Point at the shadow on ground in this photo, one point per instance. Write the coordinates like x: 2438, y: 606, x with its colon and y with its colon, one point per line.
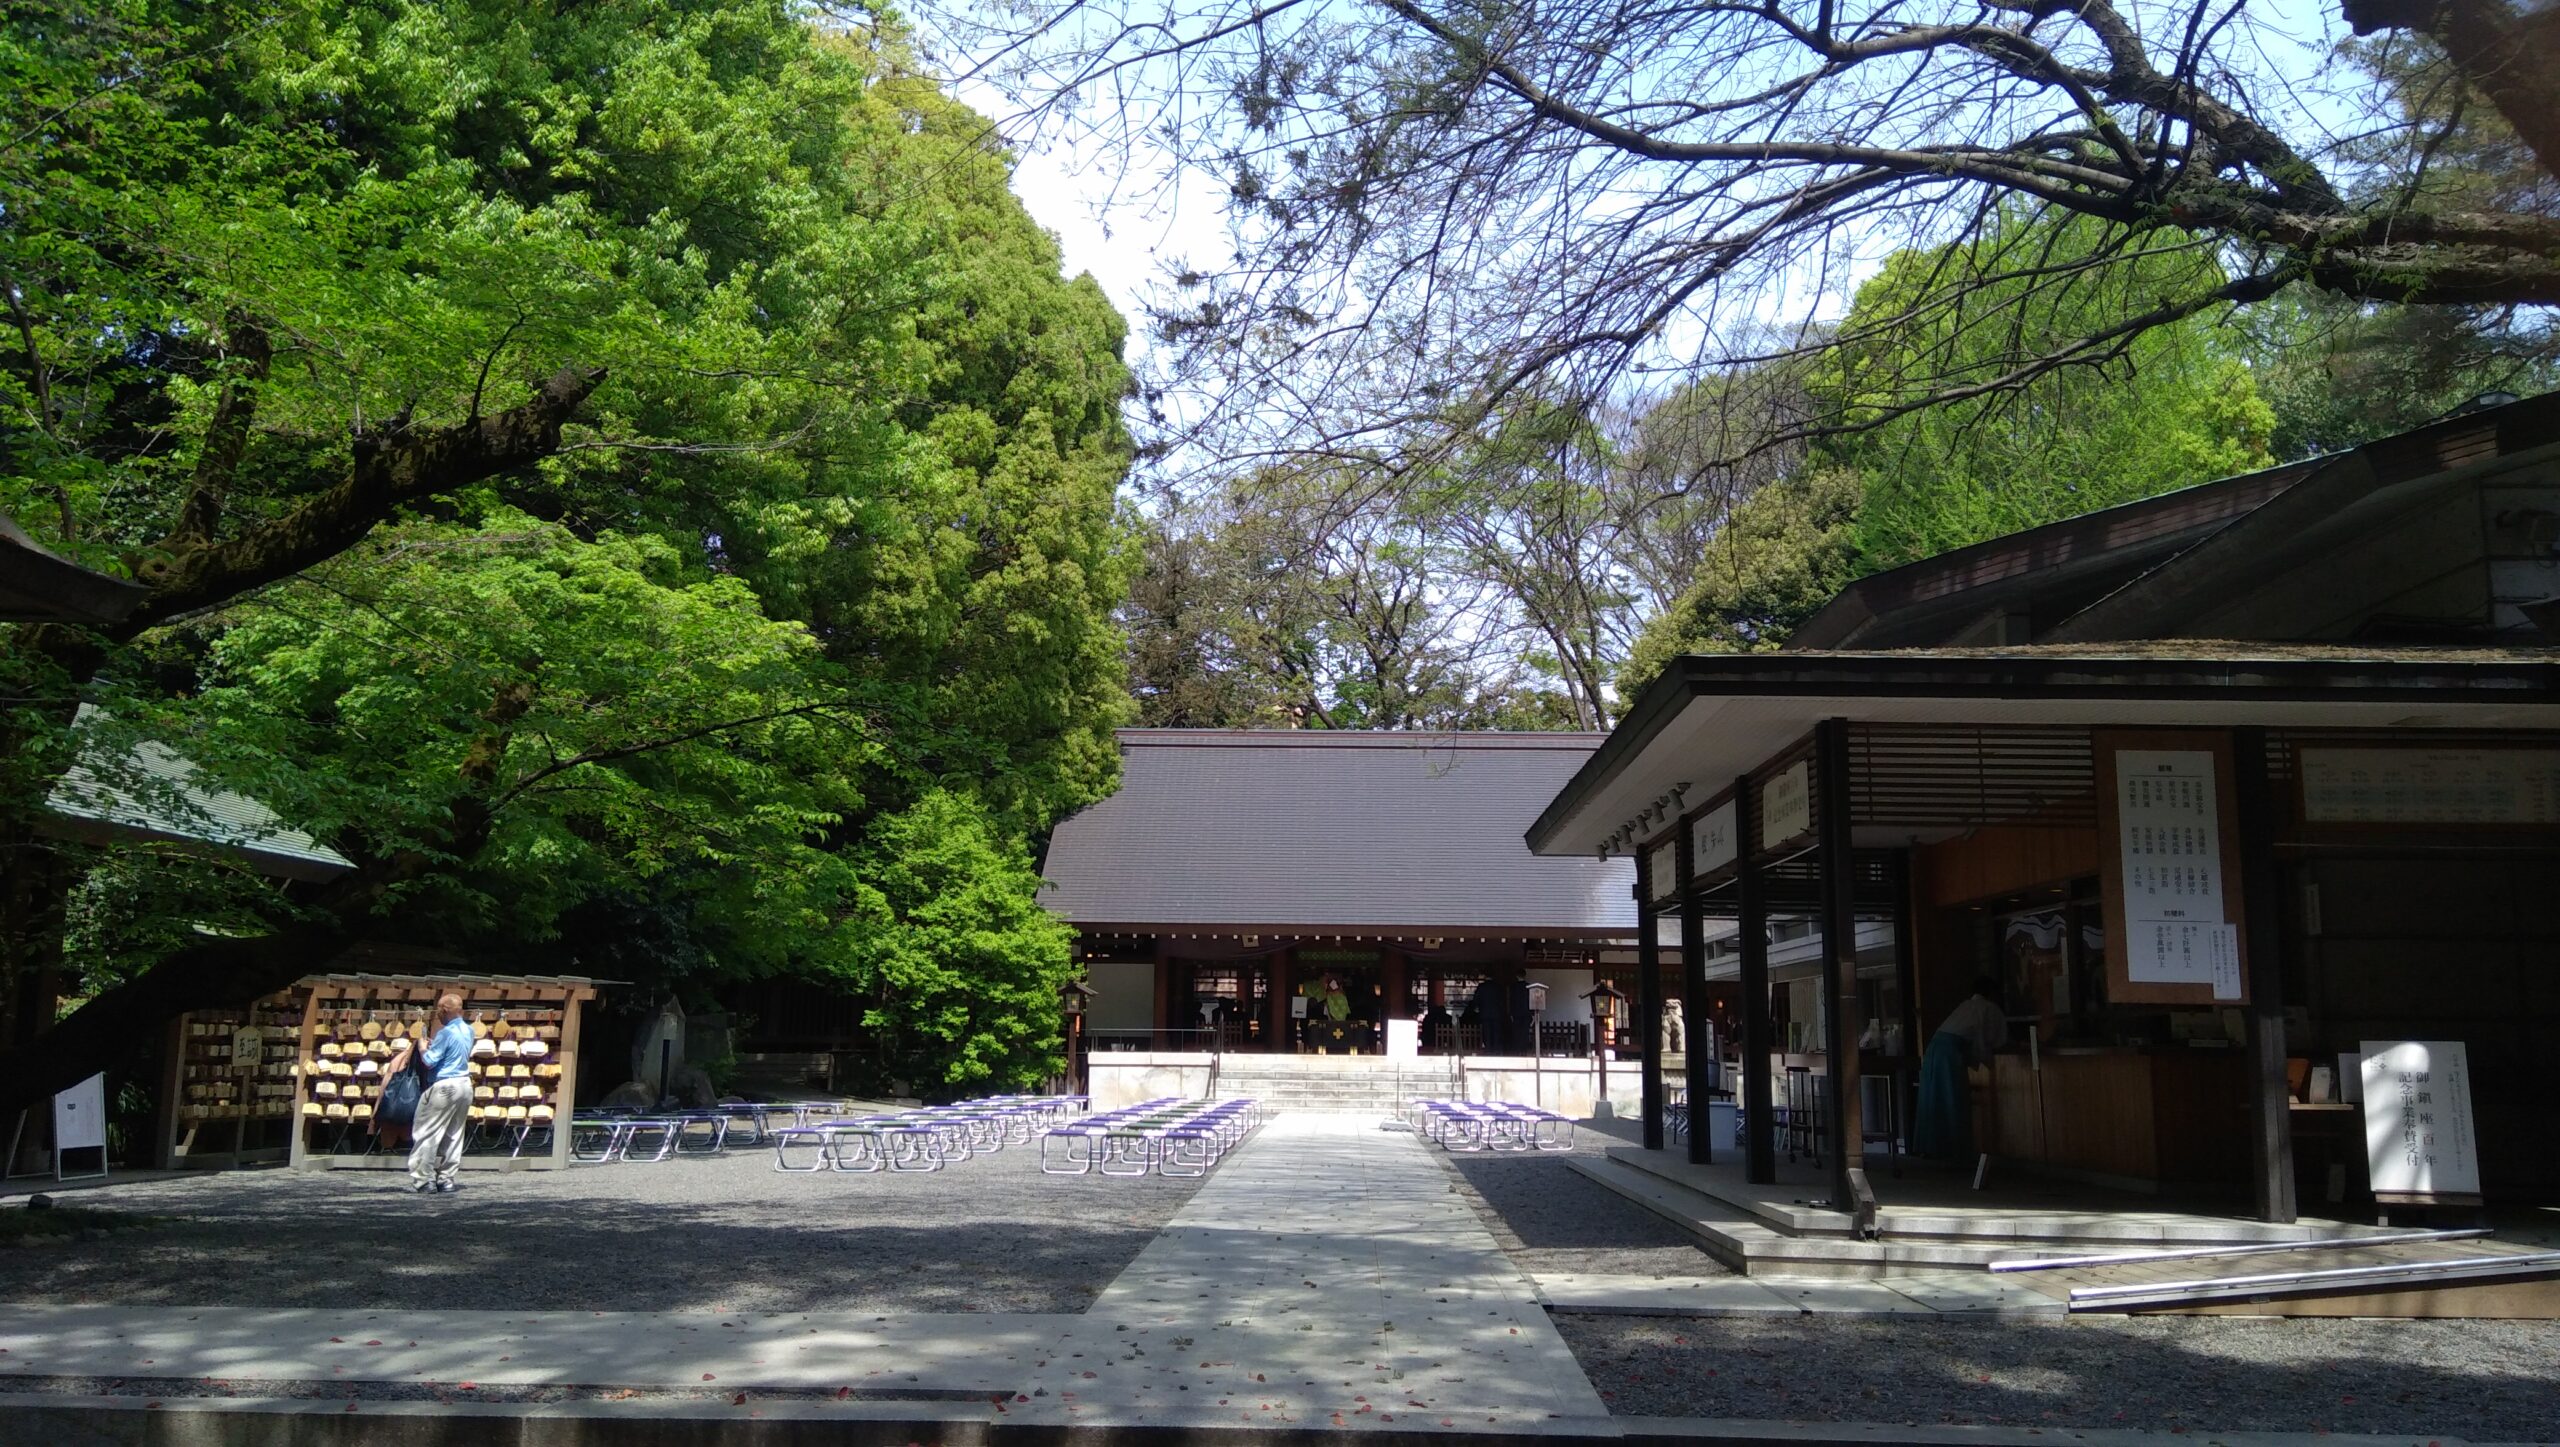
x: 724, y: 1234
x: 2480, y: 1380
x: 1550, y: 1218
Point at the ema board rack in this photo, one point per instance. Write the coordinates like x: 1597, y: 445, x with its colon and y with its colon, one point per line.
x: 230, y: 1085
x: 524, y: 1062
x: 514, y: 1078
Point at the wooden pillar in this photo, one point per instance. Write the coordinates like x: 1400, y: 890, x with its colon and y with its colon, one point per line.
x: 307, y: 1045
x: 1392, y: 984
x: 564, y: 1104
x: 1648, y: 1004
x: 1164, y: 1002
x: 1839, y: 920
x: 1276, y: 1033
x: 1693, y: 998
x: 1906, y: 974
x: 1759, y: 1127
x: 2261, y: 895
x: 169, y: 1131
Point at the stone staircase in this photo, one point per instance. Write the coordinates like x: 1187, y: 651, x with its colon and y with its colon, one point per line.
x: 1363, y: 1083
x: 1789, y: 1231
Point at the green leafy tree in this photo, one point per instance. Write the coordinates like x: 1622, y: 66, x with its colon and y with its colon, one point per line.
x: 2171, y: 406
x: 1318, y: 598
x: 555, y: 718
x: 2337, y: 376
x: 1532, y: 513
x: 960, y: 964
x: 701, y: 279
x: 1782, y: 553
x: 2340, y: 373
x: 493, y: 726
x: 1182, y: 616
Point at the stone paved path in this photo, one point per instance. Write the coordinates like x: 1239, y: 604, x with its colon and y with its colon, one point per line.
x: 954, y: 1355
x: 1327, y: 1275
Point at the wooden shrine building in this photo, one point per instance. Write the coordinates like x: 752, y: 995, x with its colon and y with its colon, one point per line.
x: 1236, y: 872
x: 2221, y: 788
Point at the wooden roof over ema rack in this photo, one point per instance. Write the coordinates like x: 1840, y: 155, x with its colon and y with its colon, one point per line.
x: 474, y: 986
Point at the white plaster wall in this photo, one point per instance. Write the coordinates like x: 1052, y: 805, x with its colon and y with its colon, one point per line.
x: 1567, y: 1087
x: 1118, y: 1078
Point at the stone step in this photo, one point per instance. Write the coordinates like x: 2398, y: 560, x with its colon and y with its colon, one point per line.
x: 1327, y: 1102
x: 1332, y: 1071
x: 1304, y: 1097
x: 1754, y: 1248
x: 1321, y: 1065
x: 1382, y: 1102
x: 1300, y: 1082
x: 2064, y: 1230
x: 1265, y: 1092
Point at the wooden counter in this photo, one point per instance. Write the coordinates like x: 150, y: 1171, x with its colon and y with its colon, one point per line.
x: 2134, y: 1114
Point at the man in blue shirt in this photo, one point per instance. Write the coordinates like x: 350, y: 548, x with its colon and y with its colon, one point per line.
x: 444, y: 1111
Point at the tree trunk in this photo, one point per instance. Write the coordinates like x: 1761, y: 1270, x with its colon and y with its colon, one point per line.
x: 34, y: 892
x: 108, y: 1030
x: 2511, y: 57
x: 50, y: 667
x: 37, y: 873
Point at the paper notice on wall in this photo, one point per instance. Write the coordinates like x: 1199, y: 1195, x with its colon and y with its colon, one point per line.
x: 2417, y: 1118
x: 2175, y: 952
x: 2169, y: 839
x: 2225, y: 945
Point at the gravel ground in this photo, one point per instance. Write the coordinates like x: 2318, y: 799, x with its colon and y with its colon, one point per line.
x: 2486, y: 1381
x: 723, y: 1233
x: 250, y: 1388
x: 1549, y: 1218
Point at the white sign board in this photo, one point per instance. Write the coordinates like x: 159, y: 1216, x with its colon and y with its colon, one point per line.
x: 1786, y: 805
x: 1662, y: 871
x: 248, y: 1048
x: 80, y: 1116
x: 2418, y: 1136
x: 2431, y: 786
x: 1712, y: 844
x: 2169, y: 842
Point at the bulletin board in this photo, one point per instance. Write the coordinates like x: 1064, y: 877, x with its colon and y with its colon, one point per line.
x: 2169, y: 863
